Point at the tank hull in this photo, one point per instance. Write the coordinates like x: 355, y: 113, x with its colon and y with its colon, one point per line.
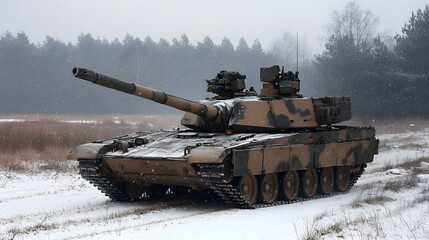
x: 203, y: 161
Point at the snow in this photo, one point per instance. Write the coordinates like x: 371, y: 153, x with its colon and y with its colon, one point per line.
x: 396, y: 171
x: 46, y: 204
x: 81, y: 121
x: 11, y: 120
x: 8, y: 120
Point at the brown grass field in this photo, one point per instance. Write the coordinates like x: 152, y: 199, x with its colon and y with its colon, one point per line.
x: 52, y: 137
x: 40, y: 137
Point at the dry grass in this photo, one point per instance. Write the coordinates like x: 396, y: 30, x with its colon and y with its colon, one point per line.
x: 396, y: 185
x: 31, y: 154
x: 410, y: 180
x: 53, y: 137
x: 373, y: 196
x: 415, y: 146
x: 425, y: 190
x: 377, y: 198
x: 422, y: 199
x: 314, y: 233
x: 413, y: 164
x: 34, y: 229
x: 407, y: 165
x: 388, y: 165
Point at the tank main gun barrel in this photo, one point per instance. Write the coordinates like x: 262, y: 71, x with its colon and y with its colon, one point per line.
x: 207, y: 112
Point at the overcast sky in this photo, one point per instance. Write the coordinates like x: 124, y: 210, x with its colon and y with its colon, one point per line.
x: 264, y: 20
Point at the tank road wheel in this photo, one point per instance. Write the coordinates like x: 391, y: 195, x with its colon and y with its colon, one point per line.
x: 326, y: 180
x: 309, y: 183
x: 290, y: 185
x: 133, y: 191
x: 342, y: 178
x: 269, y: 188
x: 248, y: 187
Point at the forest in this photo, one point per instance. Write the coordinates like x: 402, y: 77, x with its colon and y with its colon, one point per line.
x: 384, y: 79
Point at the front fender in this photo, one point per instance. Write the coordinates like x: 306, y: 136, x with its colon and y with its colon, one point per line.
x: 89, y: 151
x: 206, y: 154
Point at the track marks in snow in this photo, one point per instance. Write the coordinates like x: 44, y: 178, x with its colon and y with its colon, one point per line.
x: 66, y: 206
x: 137, y: 222
x: 107, y: 220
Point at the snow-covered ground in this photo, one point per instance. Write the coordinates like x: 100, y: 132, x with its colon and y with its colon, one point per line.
x: 390, y: 201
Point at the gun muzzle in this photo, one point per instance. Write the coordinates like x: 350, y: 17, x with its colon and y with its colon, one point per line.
x: 103, y: 80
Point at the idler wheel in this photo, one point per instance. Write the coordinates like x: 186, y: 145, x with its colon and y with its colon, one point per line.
x: 309, y: 183
x: 269, y: 188
x: 290, y: 185
x: 326, y: 180
x: 248, y: 187
x: 342, y: 178
x: 133, y: 191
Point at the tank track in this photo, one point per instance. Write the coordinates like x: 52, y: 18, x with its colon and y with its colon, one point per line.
x: 89, y: 169
x: 213, y: 177
x: 211, y: 174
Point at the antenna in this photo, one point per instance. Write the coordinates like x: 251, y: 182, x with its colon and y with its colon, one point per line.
x: 297, y: 53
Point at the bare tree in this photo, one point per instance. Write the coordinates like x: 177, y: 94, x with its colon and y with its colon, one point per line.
x: 285, y: 48
x: 354, y: 22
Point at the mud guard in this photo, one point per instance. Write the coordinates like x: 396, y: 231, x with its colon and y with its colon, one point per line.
x: 207, y: 155
x: 89, y: 151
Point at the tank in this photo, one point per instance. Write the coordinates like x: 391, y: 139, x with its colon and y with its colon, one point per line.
x: 251, y: 150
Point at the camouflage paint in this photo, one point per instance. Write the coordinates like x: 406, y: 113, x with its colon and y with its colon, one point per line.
x: 247, y: 162
x: 276, y: 159
x: 326, y: 155
x: 301, y: 157
x: 207, y: 112
x: 247, y: 115
x: 347, y: 153
x: 299, y: 112
x: 275, y: 114
x: 305, y: 150
x: 290, y: 105
x: 366, y: 151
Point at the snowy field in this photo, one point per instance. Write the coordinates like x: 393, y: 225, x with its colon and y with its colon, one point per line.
x: 390, y: 201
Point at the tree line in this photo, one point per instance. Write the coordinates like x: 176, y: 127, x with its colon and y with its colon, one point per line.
x: 384, y: 80
x: 37, y: 78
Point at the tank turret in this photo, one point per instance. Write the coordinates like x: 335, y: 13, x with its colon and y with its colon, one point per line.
x: 279, y: 107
